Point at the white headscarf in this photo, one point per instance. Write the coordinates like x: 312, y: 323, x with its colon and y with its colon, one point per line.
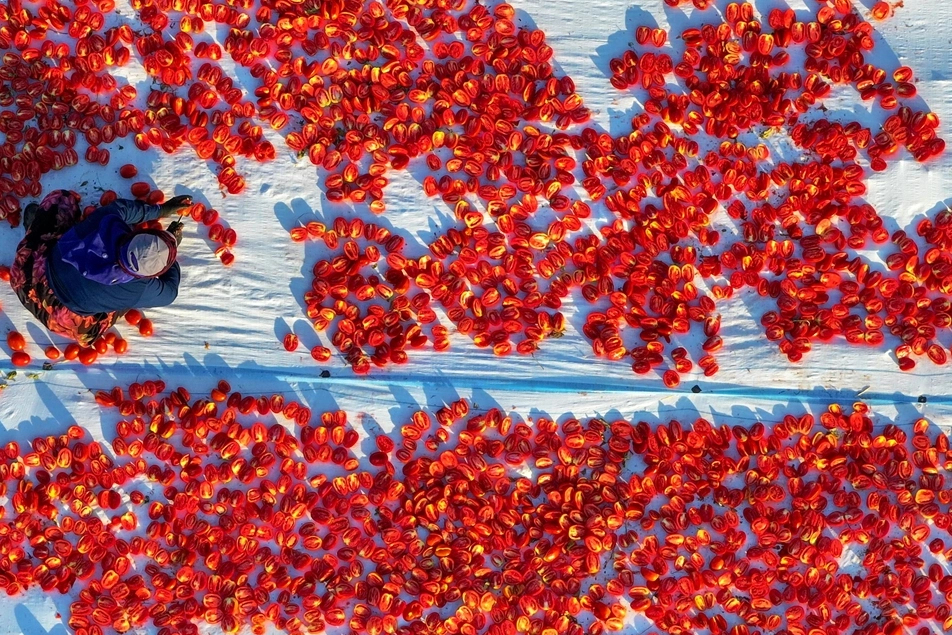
x: 147, y: 255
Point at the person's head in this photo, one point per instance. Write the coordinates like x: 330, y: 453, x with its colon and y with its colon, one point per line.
x: 148, y: 253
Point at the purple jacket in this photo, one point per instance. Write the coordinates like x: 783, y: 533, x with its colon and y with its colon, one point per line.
x: 83, y: 268
x: 94, y: 249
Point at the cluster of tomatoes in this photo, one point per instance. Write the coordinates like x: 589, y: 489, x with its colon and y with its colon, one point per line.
x: 478, y: 111
x: 362, y: 294
x: 111, y: 340
x: 801, y: 227
x: 213, y: 511
x: 502, y: 133
x: 55, y: 93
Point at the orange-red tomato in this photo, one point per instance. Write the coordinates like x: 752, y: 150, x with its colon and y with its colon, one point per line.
x: 290, y: 342
x: 16, y: 341
x: 72, y: 351
x: 88, y: 356
x: 19, y: 358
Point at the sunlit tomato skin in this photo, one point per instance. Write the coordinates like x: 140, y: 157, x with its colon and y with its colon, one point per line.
x: 290, y: 342
x: 16, y: 341
x: 20, y: 359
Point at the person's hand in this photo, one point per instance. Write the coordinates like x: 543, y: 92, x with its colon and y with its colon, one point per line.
x: 176, y: 230
x: 175, y: 206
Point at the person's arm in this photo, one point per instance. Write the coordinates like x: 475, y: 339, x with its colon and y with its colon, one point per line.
x: 134, y: 212
x: 131, y: 211
x: 161, y: 291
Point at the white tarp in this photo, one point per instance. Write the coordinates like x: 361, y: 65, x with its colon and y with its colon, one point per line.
x: 228, y: 322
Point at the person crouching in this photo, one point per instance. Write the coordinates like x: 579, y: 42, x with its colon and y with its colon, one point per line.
x: 77, y: 276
